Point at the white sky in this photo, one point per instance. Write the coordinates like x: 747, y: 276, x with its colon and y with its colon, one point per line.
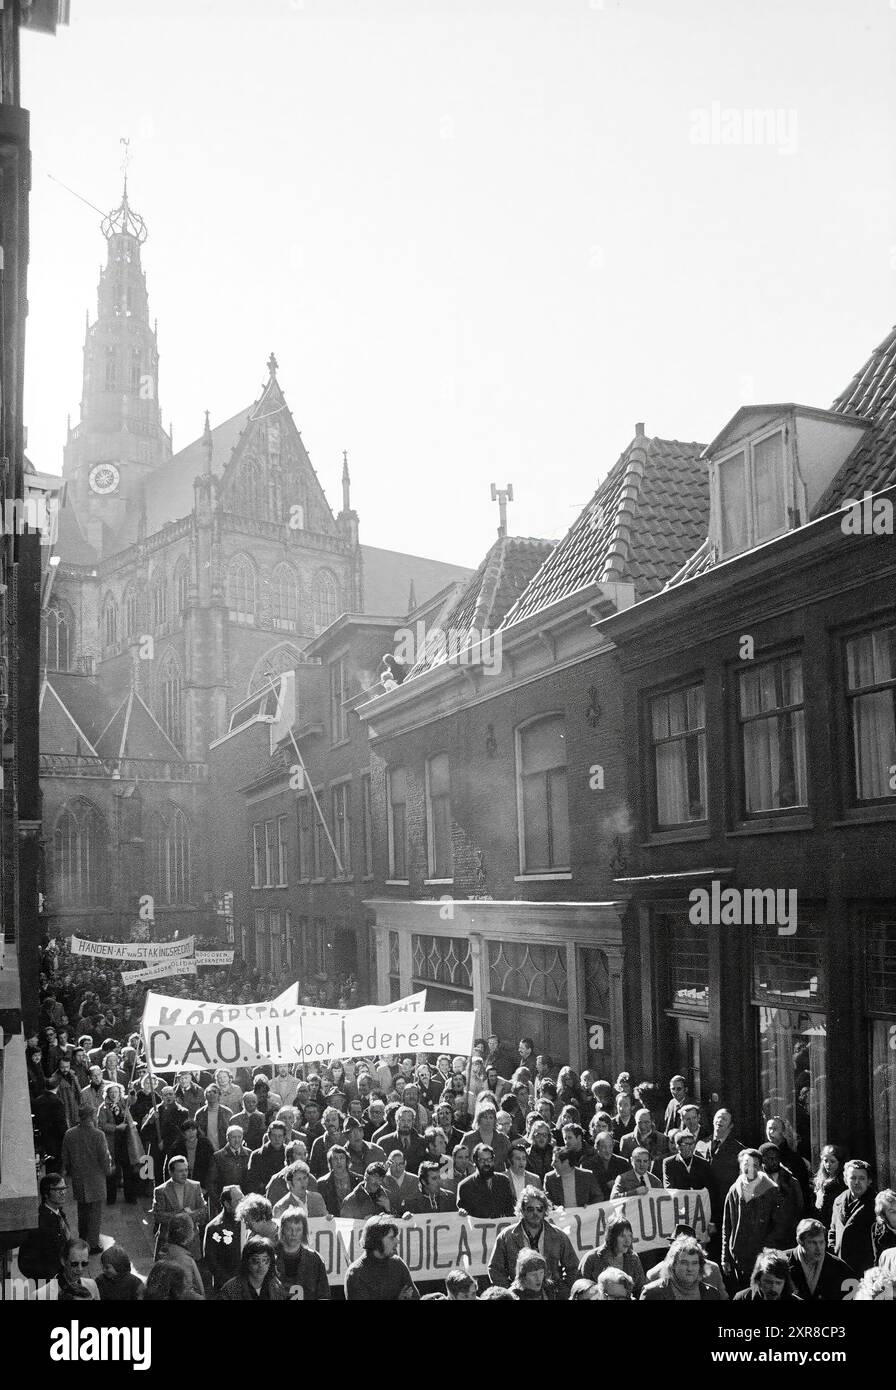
x: 477, y: 233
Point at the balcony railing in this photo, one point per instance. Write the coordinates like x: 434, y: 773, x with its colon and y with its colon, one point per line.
x: 129, y: 769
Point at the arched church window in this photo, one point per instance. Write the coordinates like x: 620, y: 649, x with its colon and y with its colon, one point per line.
x: 58, y: 641
x: 251, y: 488
x: 286, y: 657
x: 171, y: 698
x: 133, y: 611
x: 110, y: 622
x: 284, y: 597
x: 170, y: 839
x: 159, y: 600
x: 241, y: 590
x: 80, y: 856
x: 326, y: 599
x: 181, y: 582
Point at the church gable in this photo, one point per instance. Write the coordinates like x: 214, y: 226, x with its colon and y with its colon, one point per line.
x: 269, y: 476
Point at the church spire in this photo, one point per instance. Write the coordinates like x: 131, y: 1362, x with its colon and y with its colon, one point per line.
x: 346, y: 483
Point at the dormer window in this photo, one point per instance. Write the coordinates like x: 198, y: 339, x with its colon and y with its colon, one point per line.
x: 752, y: 508
x: 769, y: 468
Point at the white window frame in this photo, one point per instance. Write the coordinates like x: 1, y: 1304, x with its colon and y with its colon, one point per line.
x: 746, y: 446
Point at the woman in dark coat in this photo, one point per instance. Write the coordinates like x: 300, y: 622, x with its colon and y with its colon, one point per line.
x: 828, y: 1183
x: 112, y: 1119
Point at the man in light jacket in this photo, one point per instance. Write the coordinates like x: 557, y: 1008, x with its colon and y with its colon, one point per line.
x: 534, y: 1231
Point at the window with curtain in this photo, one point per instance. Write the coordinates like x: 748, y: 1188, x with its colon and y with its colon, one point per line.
x: 773, y: 738
x: 678, y: 733
x: 80, y: 857
x: 871, y: 694
x: 398, y: 847
x: 440, y: 851
x: 342, y: 824
x: 241, y: 590
x: 543, y: 803
x: 284, y: 597
x: 751, y: 494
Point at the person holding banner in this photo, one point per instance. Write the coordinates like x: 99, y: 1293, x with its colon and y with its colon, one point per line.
x: 379, y: 1275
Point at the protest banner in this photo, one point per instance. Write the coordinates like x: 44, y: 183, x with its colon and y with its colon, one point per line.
x: 182, y: 1034
x: 133, y: 950
x: 430, y: 1245
x: 214, y: 957
x: 155, y: 972
x: 412, y: 1003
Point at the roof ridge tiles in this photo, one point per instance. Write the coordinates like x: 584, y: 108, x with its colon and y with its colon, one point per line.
x: 619, y: 546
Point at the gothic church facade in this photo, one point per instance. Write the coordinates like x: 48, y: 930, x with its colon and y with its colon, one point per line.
x: 184, y: 582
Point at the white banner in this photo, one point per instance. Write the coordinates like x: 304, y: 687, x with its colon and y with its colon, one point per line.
x: 155, y: 972
x: 214, y: 957
x: 412, y: 1003
x: 133, y: 950
x: 178, y: 1035
x: 431, y: 1245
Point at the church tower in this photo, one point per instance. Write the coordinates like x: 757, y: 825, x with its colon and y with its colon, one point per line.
x: 119, y: 439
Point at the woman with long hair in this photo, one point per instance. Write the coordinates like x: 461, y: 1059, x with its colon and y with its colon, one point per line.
x: 616, y: 1251
x: 828, y: 1182
x: 257, y: 1281
x: 112, y: 1119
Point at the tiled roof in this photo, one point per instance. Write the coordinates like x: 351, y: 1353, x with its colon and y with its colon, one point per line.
x: 496, y: 586
x: 871, y: 393
x: 644, y: 522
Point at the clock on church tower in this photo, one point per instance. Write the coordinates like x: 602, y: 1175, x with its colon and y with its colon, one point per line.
x: 103, y: 478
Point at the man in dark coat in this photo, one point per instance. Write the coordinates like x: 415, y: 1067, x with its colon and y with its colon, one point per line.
x: 720, y: 1152
x: 487, y: 1193
x: 69, y: 1090
x: 221, y: 1242
x: 41, y: 1252
x: 432, y: 1196
x: 49, y: 1115
x: 569, y: 1186
x: 685, y: 1170
x: 605, y: 1165
x: 230, y: 1167
x: 268, y: 1158
x: 853, y: 1218
x: 251, y: 1121
x: 406, y: 1138
x: 85, y: 1155
x: 818, y: 1276
x: 161, y: 1138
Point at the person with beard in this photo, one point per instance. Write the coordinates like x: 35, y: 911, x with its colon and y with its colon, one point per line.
x: 770, y: 1281
x: 541, y: 1149
x: 791, y: 1209
x: 487, y: 1193
x: 533, y: 1231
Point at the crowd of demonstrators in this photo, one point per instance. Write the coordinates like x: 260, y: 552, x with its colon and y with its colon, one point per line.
x: 236, y: 1162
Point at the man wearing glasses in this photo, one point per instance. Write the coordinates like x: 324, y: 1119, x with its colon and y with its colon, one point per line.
x: 534, y: 1232
x: 41, y: 1252
x: 71, y: 1284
